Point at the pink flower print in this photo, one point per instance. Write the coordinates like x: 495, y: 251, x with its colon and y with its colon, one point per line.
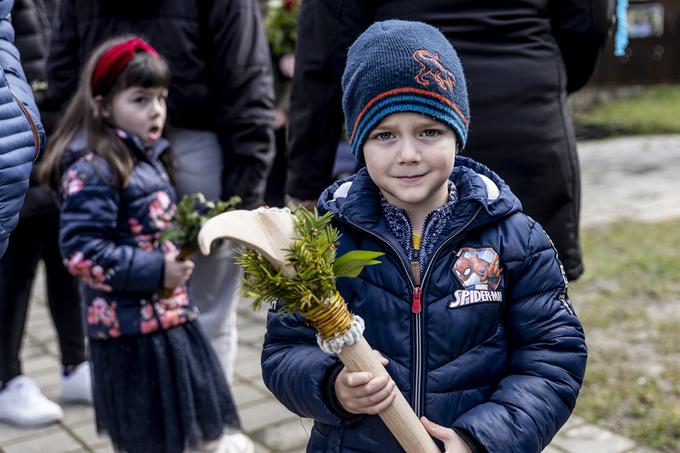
x: 78, y: 265
x: 173, y: 310
x: 161, y: 211
x: 72, y: 183
x: 145, y: 241
x: 148, y: 322
x: 94, y: 276
x: 101, y: 312
x: 135, y: 226
x: 96, y: 311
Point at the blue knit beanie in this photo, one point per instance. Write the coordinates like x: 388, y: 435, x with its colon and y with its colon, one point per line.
x: 400, y: 66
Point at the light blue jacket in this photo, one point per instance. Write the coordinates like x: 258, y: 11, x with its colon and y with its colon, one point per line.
x: 21, y: 133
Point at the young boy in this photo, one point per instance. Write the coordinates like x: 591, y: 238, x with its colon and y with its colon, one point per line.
x: 469, y: 306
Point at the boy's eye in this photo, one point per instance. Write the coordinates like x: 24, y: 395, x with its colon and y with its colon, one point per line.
x: 139, y: 100
x: 383, y: 136
x: 431, y: 133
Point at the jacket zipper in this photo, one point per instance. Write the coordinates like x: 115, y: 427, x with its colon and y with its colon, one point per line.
x: 418, y: 387
x: 416, y: 307
x: 34, y: 129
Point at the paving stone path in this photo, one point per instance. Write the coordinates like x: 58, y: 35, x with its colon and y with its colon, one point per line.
x: 622, y: 178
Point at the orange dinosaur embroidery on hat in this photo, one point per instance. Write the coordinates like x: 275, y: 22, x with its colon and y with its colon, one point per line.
x: 432, y: 68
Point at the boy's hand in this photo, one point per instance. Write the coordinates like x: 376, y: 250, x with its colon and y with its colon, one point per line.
x: 176, y: 272
x: 361, y: 393
x: 451, y: 439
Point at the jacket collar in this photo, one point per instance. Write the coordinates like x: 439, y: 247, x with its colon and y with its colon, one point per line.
x: 134, y: 143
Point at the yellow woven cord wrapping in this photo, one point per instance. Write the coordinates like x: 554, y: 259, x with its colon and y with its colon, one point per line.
x: 330, y: 319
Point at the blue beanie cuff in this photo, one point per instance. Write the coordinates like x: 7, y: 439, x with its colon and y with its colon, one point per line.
x: 413, y: 100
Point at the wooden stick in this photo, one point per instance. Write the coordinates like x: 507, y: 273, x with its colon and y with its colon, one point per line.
x: 399, y: 417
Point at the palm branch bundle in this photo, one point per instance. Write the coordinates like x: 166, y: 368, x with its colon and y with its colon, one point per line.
x: 290, y: 260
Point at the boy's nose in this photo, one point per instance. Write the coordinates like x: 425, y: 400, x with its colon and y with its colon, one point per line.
x: 408, y: 152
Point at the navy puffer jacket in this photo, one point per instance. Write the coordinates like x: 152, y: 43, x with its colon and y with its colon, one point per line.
x: 20, y: 129
x: 111, y: 240
x: 495, y: 349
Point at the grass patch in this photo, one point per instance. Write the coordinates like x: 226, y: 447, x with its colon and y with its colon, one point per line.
x: 655, y: 111
x: 629, y: 303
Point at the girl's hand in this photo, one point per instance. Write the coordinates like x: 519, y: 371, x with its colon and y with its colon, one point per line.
x: 176, y: 272
x: 361, y: 393
x: 451, y: 439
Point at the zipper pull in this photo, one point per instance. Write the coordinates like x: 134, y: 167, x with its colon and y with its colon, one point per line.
x: 416, y: 305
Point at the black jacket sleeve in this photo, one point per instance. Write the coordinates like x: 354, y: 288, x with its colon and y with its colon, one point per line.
x: 326, y: 29
x: 63, y: 60
x: 242, y: 83
x: 580, y: 27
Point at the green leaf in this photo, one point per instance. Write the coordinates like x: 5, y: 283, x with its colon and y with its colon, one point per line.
x: 352, y: 263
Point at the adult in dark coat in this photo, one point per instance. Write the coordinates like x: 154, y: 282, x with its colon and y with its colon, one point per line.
x: 221, y: 72
x: 521, y: 58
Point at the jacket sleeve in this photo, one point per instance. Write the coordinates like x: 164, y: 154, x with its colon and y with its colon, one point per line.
x: 21, y: 133
x: 295, y: 369
x: 546, y: 361
x: 89, y: 219
x: 242, y: 82
x: 580, y: 27
x: 326, y: 30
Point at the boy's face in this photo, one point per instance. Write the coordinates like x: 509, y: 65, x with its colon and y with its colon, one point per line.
x: 410, y: 157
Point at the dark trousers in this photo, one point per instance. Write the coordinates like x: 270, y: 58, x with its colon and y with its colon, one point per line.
x: 36, y: 238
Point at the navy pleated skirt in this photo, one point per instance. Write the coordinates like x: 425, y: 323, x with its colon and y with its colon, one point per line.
x: 161, y: 392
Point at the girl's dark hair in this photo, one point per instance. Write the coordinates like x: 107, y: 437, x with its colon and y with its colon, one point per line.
x: 85, y: 113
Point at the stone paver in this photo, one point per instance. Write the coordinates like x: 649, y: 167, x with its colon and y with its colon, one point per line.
x: 632, y: 177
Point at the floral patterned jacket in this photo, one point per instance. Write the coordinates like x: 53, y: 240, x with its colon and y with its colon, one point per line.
x: 110, y: 239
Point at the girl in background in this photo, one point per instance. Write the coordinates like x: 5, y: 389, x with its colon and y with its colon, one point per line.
x: 158, y: 386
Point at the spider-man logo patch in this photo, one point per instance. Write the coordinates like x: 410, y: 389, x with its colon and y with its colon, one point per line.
x: 479, y: 271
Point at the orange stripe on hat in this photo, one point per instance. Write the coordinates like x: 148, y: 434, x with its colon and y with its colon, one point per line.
x: 404, y: 90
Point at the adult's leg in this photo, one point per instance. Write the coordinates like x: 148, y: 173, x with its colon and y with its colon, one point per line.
x: 63, y: 296
x: 17, y: 270
x: 197, y: 156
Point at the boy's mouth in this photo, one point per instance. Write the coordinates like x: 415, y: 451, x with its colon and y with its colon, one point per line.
x: 410, y: 177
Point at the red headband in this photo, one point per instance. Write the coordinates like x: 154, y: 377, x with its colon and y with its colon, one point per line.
x: 114, y: 61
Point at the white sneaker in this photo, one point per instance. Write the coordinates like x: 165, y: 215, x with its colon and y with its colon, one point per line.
x: 236, y: 443
x: 23, y: 404
x: 228, y: 443
x: 76, y: 387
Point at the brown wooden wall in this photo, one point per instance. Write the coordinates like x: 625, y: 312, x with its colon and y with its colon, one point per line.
x: 648, y: 60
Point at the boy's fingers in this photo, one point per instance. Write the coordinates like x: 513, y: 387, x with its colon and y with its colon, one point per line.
x: 435, y: 430
x: 383, y: 360
x: 356, y: 379
x: 382, y: 405
x: 375, y: 397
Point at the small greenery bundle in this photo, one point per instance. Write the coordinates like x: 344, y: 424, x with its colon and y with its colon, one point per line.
x: 281, y: 25
x: 312, y: 256
x: 192, y: 212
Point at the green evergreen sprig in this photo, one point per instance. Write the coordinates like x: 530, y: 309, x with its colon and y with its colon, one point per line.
x: 192, y: 212
x: 312, y: 255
